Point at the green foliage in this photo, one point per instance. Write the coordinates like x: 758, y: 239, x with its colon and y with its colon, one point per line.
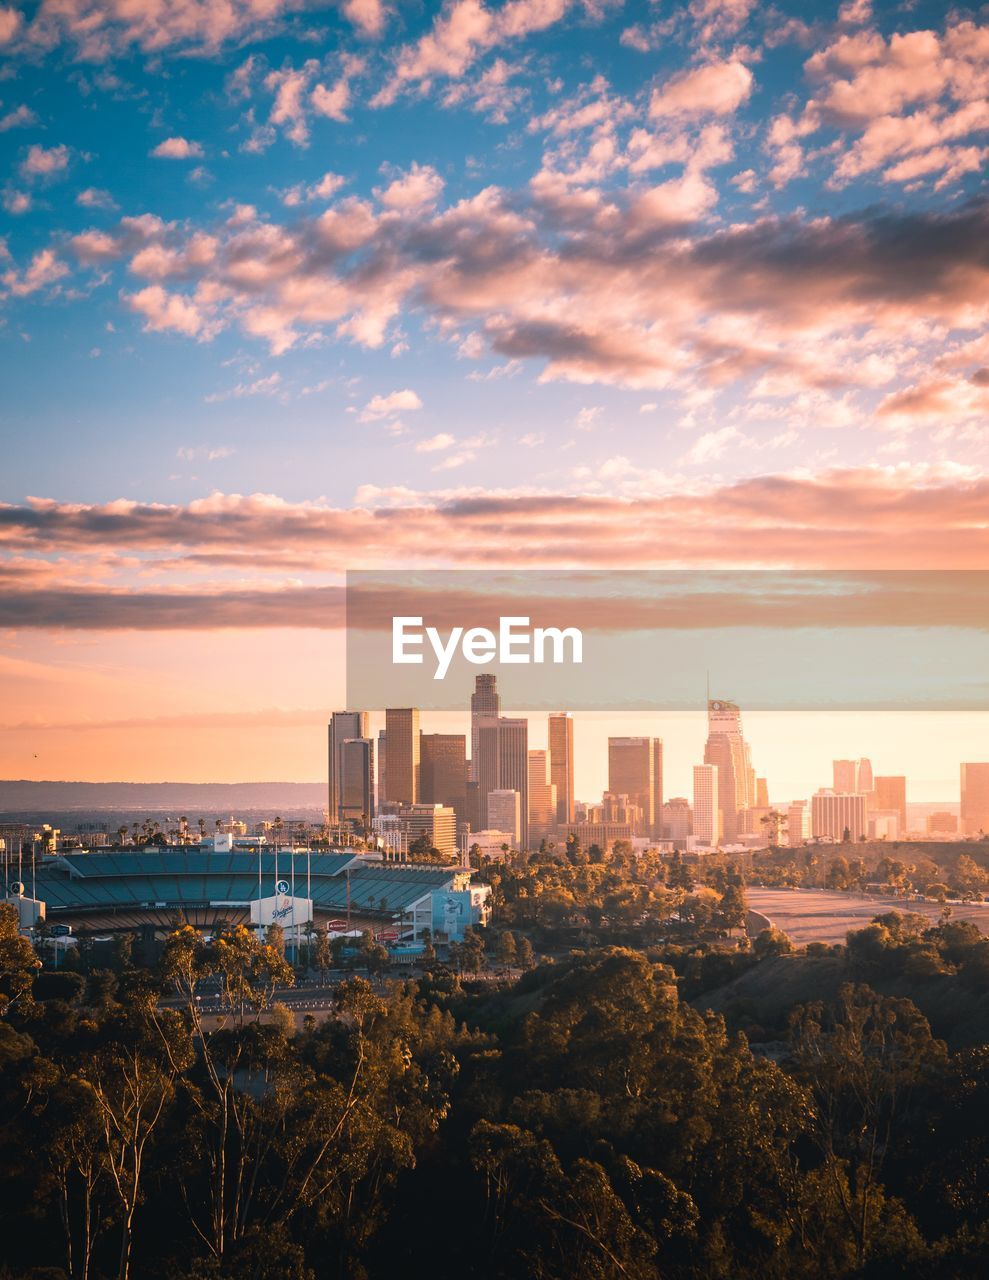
x: 594, y: 1119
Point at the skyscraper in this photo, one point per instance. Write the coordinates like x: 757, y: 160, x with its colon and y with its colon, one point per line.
x: 343, y: 725
x: 513, y: 767
x: 486, y: 763
x: 657, y: 788
x: 707, y: 810
x: 357, y: 781
x: 542, y: 797
x: 402, y: 747
x: 975, y: 799
x: 443, y: 771
x: 891, y: 793
x: 729, y: 752
x: 561, y: 763
x: 382, y: 793
x: 631, y: 765
x: 485, y: 704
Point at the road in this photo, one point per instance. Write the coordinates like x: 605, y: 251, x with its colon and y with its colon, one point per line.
x: 820, y: 915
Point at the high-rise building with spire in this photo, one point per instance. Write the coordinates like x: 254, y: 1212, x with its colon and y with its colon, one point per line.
x: 727, y: 749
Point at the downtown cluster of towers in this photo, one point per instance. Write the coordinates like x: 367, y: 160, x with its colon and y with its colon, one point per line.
x: 488, y: 788
x: 491, y: 789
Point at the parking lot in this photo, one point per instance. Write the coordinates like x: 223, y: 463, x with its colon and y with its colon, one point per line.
x: 821, y: 915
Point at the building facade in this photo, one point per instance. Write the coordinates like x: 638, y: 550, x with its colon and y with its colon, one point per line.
x: 631, y: 773
x: 542, y: 798
x: 833, y: 814
x: 707, y: 808
x: 343, y: 727
x: 402, y: 747
x: 561, y: 763
x: 975, y: 799
x: 505, y: 813
x: 727, y: 750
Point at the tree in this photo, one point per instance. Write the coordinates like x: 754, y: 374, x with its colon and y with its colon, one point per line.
x: 838, y: 874
x: 771, y: 942
x: 678, y: 875
x: 70, y: 1146
x: 132, y: 1083
x: 472, y: 951
x: 968, y: 878
x: 774, y: 823
x: 506, y: 950
x: 861, y: 1056
x: 373, y: 955
x: 733, y: 908
x: 323, y: 955
x: 283, y: 1019
x: 18, y: 963
x: 526, y: 955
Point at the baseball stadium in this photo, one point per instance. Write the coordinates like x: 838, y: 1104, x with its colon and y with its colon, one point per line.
x: 108, y: 892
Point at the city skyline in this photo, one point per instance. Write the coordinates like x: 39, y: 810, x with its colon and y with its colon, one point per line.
x: 506, y: 784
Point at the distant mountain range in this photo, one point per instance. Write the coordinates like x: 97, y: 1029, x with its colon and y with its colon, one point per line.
x: 176, y: 797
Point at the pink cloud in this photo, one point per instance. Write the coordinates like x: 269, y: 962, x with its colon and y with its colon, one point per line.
x: 177, y: 149
x: 17, y: 118
x: 629, y: 290
x: 418, y: 189
x: 717, y: 88
x: 100, y: 29
x: 395, y: 402
x: 45, y: 162
x: 10, y: 24
x: 368, y: 16
x: 43, y: 270
x: 894, y: 517
x: 463, y: 32
x: 906, y: 102
x: 164, y: 311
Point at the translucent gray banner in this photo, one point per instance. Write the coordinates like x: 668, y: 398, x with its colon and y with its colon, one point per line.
x: 657, y: 640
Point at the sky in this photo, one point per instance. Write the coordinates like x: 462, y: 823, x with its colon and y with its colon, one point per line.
x: 290, y: 288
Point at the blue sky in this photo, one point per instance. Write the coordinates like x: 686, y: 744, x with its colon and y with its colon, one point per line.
x: 103, y: 404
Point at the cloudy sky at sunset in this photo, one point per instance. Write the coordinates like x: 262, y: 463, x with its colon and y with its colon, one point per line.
x: 290, y: 288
